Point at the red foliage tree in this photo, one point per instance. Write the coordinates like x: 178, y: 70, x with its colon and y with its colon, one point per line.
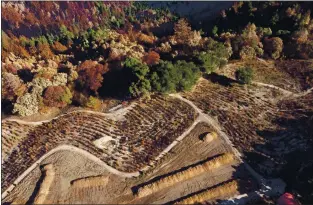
x: 151, y: 58
x: 90, y: 74
x: 56, y: 96
x: 31, y: 19
x: 12, y: 16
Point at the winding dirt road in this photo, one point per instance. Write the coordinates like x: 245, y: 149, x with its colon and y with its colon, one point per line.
x: 117, y: 115
x: 268, y: 187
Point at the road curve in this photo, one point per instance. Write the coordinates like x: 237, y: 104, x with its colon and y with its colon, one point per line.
x: 87, y: 154
x: 73, y: 149
x: 202, y: 117
x: 113, y: 115
x: 285, y: 92
x: 211, y: 121
x: 270, y: 187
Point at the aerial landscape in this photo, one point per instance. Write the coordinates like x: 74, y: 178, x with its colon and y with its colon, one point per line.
x: 145, y: 102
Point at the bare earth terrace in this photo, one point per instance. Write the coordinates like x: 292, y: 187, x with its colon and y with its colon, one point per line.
x: 127, y: 145
x: 257, y: 119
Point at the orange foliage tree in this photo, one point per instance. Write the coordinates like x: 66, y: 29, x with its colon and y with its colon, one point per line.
x: 45, y: 51
x: 31, y: 19
x: 90, y: 74
x: 12, y: 16
x: 59, y: 47
x: 151, y: 58
x: 182, y: 31
x: 20, y: 51
x: 13, y: 45
x: 143, y: 38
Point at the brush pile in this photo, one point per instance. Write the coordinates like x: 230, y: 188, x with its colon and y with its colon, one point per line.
x: 185, y: 175
x: 211, y: 194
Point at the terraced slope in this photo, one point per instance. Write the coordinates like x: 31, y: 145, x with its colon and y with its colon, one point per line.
x: 127, y: 145
x: 12, y: 134
x: 239, y: 111
x: 292, y: 75
x: 260, y: 121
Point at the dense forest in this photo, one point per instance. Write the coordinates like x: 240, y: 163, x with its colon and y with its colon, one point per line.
x: 59, y: 53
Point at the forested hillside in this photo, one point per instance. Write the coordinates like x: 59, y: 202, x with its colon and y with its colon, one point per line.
x: 62, y: 53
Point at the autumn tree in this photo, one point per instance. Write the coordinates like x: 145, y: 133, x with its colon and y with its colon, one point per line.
x: 143, y: 38
x: 20, y: 51
x: 305, y: 20
x: 10, y: 68
x: 57, y: 96
x: 45, y: 51
x: 13, y: 45
x: 90, y: 74
x: 59, y: 47
x: 184, y: 35
x: 182, y: 31
x: 12, y: 16
x: 300, y: 36
x: 250, y: 36
x: 31, y: 18
x: 247, y: 45
x: 12, y: 86
x: 46, y: 73
x: 151, y: 58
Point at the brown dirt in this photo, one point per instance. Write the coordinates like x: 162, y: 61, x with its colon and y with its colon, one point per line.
x: 70, y: 166
x: 51, y: 113
x: 264, y: 125
x: 162, y: 119
x: 291, y: 75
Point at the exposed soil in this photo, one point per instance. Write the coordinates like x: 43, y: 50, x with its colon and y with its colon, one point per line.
x: 70, y: 166
x: 270, y: 129
x: 292, y: 75
x: 273, y: 131
x: 130, y: 150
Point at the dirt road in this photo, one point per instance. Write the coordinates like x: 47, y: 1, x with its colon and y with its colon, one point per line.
x: 269, y: 187
x: 265, y: 188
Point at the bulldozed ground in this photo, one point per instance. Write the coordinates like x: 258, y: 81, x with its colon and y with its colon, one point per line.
x: 155, y: 159
x: 259, y: 121
x: 127, y: 142
x: 270, y: 126
x: 291, y: 75
x: 192, y: 151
